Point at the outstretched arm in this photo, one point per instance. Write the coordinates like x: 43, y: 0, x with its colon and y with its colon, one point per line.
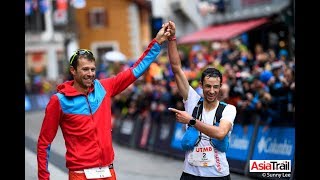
x: 149, y: 56
x: 122, y: 80
x: 174, y: 58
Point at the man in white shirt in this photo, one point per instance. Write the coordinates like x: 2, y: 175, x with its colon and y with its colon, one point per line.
x: 204, y: 161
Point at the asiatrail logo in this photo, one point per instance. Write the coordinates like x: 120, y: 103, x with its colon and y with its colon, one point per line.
x: 270, y: 166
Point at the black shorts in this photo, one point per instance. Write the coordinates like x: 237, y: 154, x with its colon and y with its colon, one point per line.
x: 186, y: 176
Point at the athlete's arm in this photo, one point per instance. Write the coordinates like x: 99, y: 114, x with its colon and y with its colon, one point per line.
x: 121, y: 81
x: 48, y: 132
x: 174, y: 59
x: 218, y: 132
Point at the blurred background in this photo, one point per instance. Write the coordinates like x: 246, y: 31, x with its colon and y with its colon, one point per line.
x: 252, y: 42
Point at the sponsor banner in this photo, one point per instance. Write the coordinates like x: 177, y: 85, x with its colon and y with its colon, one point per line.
x: 164, y: 131
x: 276, y: 143
x: 145, y: 133
x: 164, y: 134
x: 270, y: 166
x: 127, y: 127
x: 178, y: 133
x: 240, y: 141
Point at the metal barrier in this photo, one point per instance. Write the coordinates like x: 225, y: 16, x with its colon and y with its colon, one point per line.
x: 127, y: 131
x: 176, y: 149
x: 241, y: 143
x: 164, y: 133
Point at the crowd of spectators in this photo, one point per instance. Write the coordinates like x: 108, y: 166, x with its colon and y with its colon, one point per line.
x: 259, y: 82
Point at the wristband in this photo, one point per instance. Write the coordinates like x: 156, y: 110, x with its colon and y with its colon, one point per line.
x: 172, y: 38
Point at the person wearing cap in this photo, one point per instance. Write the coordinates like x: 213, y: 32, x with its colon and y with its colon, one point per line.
x: 82, y: 109
x: 203, y: 160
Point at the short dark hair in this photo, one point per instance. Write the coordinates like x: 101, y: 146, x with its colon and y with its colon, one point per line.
x: 81, y: 53
x: 211, y: 72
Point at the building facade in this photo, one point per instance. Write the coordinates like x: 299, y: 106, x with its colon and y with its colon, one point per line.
x: 55, y: 29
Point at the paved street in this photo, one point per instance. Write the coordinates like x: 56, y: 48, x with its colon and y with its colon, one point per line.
x: 130, y: 164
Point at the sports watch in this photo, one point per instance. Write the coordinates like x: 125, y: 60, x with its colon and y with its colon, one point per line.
x: 192, y: 122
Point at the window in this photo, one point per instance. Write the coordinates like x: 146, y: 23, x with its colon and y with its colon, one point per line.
x: 97, y: 17
x: 34, y: 22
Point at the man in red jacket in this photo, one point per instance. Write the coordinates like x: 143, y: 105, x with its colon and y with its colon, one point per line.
x: 82, y: 109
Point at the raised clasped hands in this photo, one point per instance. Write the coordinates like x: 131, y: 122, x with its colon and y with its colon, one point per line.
x: 168, y: 30
x: 171, y: 29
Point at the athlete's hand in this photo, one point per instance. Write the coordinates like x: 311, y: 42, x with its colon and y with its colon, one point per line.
x: 172, y: 29
x: 181, y: 116
x: 163, y: 34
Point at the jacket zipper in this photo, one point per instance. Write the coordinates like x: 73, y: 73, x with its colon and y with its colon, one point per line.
x: 95, y: 130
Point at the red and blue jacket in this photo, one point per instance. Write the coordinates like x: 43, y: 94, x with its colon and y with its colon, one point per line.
x: 85, y: 120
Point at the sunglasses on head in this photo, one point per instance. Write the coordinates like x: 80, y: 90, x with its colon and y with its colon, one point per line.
x: 80, y: 52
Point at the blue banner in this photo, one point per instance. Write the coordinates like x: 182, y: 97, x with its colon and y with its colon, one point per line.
x: 27, y: 103
x: 43, y: 5
x: 240, y: 142
x: 178, y: 133
x: 42, y: 100
x: 275, y: 143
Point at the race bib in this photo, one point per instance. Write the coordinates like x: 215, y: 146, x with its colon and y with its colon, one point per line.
x: 94, y: 173
x: 201, y: 156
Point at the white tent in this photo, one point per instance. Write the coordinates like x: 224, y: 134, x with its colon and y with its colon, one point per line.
x: 115, y: 56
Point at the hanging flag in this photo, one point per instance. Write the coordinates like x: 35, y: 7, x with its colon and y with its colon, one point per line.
x: 62, y: 4
x: 43, y: 6
x: 27, y: 7
x: 34, y: 5
x: 78, y: 4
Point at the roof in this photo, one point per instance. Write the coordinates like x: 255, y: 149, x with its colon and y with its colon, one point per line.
x: 222, y: 32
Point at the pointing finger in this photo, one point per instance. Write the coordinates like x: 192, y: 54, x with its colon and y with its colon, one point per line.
x: 174, y: 110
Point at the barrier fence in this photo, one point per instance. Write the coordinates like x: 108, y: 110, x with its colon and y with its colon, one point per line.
x: 163, y: 135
